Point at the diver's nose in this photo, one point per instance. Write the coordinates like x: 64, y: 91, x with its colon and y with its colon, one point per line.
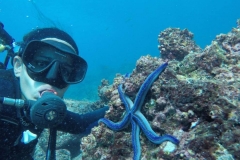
x: 53, y: 71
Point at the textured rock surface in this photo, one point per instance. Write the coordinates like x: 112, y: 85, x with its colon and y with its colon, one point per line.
x: 176, y: 44
x: 196, y: 99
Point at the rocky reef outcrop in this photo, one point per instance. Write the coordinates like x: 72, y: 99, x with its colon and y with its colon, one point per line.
x: 196, y: 99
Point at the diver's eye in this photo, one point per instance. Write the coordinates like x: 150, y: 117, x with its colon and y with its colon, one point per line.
x: 66, y: 70
x: 40, y: 63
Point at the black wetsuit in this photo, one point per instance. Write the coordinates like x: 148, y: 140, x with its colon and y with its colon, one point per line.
x: 13, y: 122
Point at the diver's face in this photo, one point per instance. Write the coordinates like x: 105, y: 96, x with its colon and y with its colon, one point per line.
x: 32, y: 90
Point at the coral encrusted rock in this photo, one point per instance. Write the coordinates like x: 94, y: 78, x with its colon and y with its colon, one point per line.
x: 196, y: 99
x: 176, y: 44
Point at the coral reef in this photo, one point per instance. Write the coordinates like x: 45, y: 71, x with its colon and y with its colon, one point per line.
x: 196, y: 99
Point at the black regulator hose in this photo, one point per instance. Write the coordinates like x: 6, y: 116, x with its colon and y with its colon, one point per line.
x: 7, y: 44
x: 4, y: 36
x: 18, y: 103
x: 51, y: 150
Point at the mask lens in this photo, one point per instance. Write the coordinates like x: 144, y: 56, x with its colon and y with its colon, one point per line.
x: 36, y: 59
x: 39, y: 63
x: 74, y: 73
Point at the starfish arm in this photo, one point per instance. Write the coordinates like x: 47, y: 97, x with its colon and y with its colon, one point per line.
x: 127, y: 75
x: 150, y: 134
x: 116, y: 126
x: 167, y: 137
x: 125, y: 99
x: 146, y: 86
x: 136, y: 141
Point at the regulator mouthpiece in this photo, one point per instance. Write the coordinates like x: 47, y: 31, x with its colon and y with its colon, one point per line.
x: 48, y: 111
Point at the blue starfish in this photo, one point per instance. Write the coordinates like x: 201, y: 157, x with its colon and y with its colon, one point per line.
x: 136, y: 118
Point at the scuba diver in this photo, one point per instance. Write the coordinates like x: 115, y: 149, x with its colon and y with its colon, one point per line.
x: 45, y: 64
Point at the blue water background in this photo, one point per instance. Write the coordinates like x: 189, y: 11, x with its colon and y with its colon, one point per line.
x: 112, y: 35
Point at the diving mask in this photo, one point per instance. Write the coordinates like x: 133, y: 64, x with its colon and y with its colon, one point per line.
x: 49, y: 64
